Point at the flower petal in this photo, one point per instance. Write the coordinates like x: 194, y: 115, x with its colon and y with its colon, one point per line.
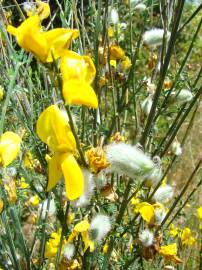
x: 73, y: 177
x: 30, y: 38
x: 75, y: 66
x: 54, y: 130
x: 79, y: 93
x: 54, y: 170
x: 58, y: 41
x: 9, y: 147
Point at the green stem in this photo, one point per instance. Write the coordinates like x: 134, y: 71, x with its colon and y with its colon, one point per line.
x: 8, y: 96
x: 178, y: 13
x: 118, y: 222
x: 64, y: 228
x: 75, y: 136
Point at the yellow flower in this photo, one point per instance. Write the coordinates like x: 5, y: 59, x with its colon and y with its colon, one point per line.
x: 170, y: 253
x: 10, y: 187
x: 28, y: 160
x: 199, y: 212
x: 186, y: 237
x: 1, y: 205
x: 135, y: 201
x: 102, y: 81
x: 110, y: 31
x: 97, y: 159
x: 54, y: 130
x: 43, y: 10
x: 117, y: 137
x: 116, y: 52
x: 82, y: 227
x: 105, y: 248
x: 126, y: 63
x: 43, y: 45
x: 52, y: 245
x: 146, y: 211
x: 78, y: 73
x: 113, y: 63
x: 23, y: 184
x: 70, y: 218
x: 1, y: 93
x: 173, y: 230
x: 9, y: 147
x: 34, y: 200
x: 167, y: 84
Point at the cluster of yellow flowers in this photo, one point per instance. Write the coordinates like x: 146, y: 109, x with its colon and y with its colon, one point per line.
x: 77, y: 73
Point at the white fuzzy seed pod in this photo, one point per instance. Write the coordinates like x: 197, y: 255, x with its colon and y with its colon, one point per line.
x: 154, y: 37
x: 100, y: 226
x: 69, y: 250
x: 128, y: 160
x: 184, y: 96
x: 163, y: 194
x: 155, y: 176
x: 146, y: 238
x: 140, y: 7
x: 113, y: 16
x: 176, y: 148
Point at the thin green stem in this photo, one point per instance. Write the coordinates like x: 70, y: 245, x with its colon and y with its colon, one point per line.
x: 64, y: 228
x: 149, y: 124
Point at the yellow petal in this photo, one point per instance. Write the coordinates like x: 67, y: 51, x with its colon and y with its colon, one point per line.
x: 43, y: 9
x: 79, y: 93
x: 30, y: 38
x: 199, y: 212
x: 54, y: 170
x: 75, y: 66
x: 58, y: 41
x: 9, y: 147
x: 87, y: 242
x: 54, y: 130
x: 82, y: 226
x: 116, y: 52
x: 12, y: 30
x: 43, y: 45
x: 146, y: 211
x: 1, y: 205
x: 74, y: 181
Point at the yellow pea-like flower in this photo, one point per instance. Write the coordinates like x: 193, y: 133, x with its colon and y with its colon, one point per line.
x: 43, y: 45
x: 9, y: 147
x: 170, y: 253
x: 116, y: 53
x: 54, y: 130
x: 78, y: 73
x: 146, y: 211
